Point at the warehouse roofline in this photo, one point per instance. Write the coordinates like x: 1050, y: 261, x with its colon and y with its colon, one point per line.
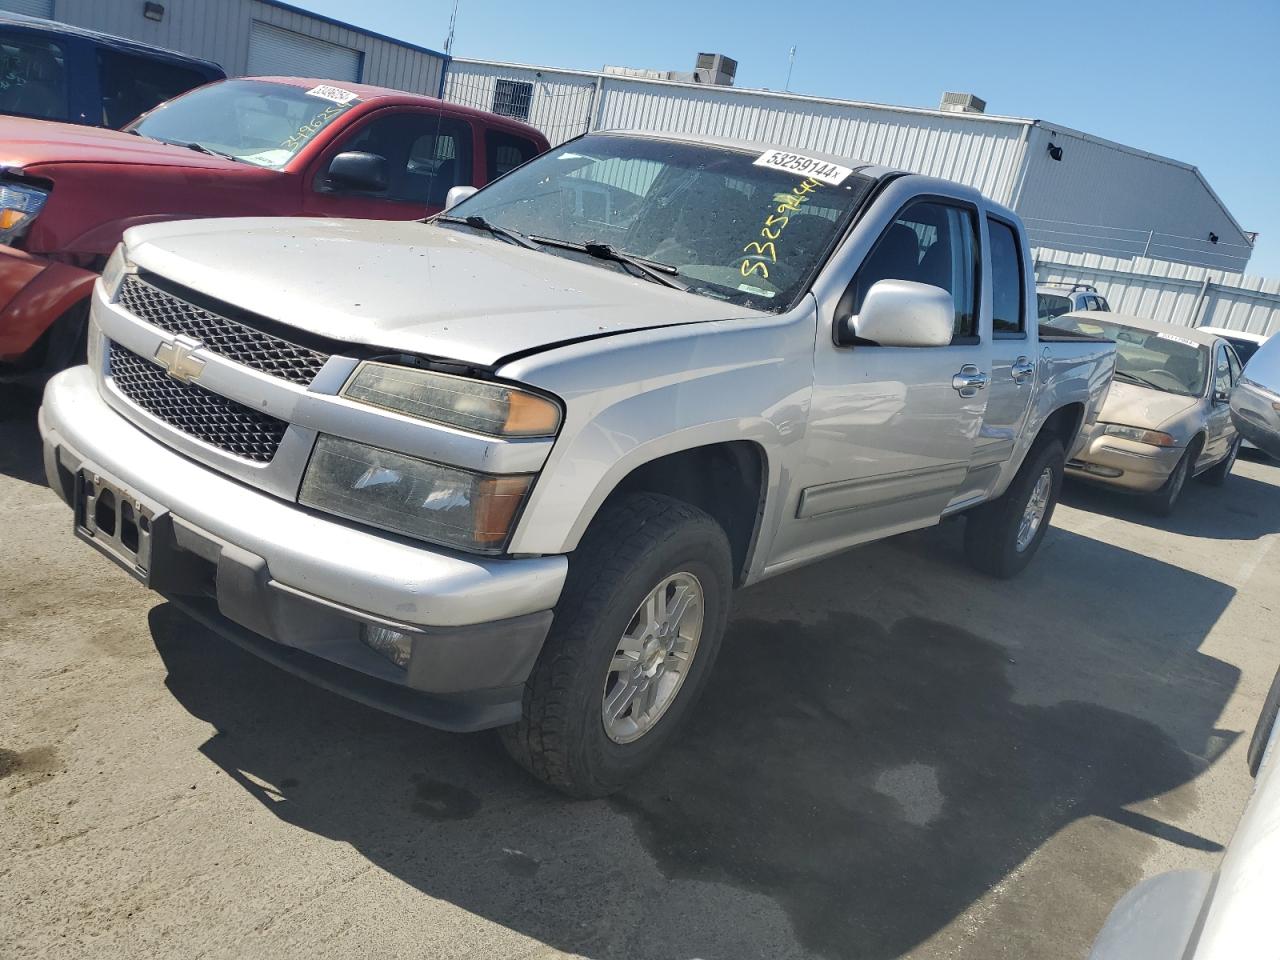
x: 302, y: 11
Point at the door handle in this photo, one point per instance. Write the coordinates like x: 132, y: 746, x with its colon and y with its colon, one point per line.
x: 1022, y: 370
x: 969, y: 380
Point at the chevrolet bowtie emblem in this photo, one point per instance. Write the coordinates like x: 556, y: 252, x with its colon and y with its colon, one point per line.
x: 177, y: 358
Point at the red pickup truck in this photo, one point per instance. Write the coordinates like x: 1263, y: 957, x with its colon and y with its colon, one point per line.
x: 268, y: 146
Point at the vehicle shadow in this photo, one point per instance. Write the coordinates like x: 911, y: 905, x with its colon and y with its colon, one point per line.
x: 1242, y: 509
x: 858, y: 761
x: 20, y: 455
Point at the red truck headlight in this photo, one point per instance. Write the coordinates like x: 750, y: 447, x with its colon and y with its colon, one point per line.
x: 19, y: 205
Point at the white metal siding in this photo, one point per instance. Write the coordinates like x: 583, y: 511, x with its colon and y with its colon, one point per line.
x: 219, y: 30
x: 560, y: 106
x: 1110, y: 199
x: 1163, y: 290
x: 274, y: 51
x: 32, y: 8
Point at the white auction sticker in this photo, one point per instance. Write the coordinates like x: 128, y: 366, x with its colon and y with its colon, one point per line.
x: 336, y: 94
x: 803, y: 166
x: 1182, y: 340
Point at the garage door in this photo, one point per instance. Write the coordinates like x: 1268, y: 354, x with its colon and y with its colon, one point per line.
x: 275, y: 52
x: 32, y: 8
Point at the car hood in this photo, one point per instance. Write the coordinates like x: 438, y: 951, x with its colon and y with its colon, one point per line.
x: 31, y: 144
x: 409, y: 286
x: 1138, y: 406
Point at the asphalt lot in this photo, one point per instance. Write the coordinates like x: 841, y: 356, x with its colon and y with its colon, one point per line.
x: 895, y: 757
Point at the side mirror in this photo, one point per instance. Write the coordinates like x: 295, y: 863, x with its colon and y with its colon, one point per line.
x: 902, y: 313
x: 357, y: 170
x: 457, y: 194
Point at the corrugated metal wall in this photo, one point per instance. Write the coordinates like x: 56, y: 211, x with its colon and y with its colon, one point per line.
x: 1172, y: 292
x: 1107, y: 198
x: 982, y: 152
x: 219, y: 30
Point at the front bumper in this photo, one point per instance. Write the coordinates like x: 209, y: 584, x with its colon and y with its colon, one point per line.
x: 297, y: 587
x: 1127, y: 464
x: 34, y: 292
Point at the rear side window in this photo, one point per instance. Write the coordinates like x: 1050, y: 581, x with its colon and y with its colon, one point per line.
x: 132, y: 85
x: 1006, y: 280
x: 1222, y: 372
x: 1049, y: 306
x: 1233, y: 358
x: 504, y: 152
x: 1100, y: 303
x: 933, y: 243
x: 426, y: 154
x: 33, y: 78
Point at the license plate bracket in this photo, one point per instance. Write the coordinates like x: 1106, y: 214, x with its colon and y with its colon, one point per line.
x: 116, y: 521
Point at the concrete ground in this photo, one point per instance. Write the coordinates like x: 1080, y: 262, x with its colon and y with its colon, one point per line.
x: 895, y: 757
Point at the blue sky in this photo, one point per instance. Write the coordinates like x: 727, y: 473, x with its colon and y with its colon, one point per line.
x: 1199, y: 82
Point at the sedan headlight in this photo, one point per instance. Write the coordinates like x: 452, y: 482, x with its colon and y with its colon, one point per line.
x: 19, y: 205
x: 114, y: 272
x: 493, y: 409
x: 1153, y: 437
x: 418, y: 498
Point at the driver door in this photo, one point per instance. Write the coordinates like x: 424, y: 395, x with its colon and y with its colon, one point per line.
x: 891, y: 431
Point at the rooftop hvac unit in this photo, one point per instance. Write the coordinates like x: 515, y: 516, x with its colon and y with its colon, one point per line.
x: 716, y: 69
x: 962, y: 103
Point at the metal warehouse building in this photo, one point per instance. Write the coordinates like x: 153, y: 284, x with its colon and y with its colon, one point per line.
x: 255, y: 38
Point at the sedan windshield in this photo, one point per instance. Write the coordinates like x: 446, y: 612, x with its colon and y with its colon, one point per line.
x: 262, y: 123
x: 711, y: 219
x: 1160, y: 361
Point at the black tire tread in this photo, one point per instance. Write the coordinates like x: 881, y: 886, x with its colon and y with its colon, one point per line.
x: 985, y: 526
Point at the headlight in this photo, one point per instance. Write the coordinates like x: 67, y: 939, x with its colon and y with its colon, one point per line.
x: 113, y: 273
x: 493, y: 409
x: 1153, y: 437
x: 403, y: 494
x: 19, y: 205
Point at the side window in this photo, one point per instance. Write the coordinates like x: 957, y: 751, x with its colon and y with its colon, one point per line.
x: 33, y: 78
x: 132, y: 85
x: 1049, y: 306
x: 1233, y: 361
x: 504, y: 152
x: 1100, y: 303
x: 1007, y: 286
x: 1222, y: 372
x: 426, y: 154
x: 929, y: 242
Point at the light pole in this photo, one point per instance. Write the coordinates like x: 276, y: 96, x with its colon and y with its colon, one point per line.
x: 453, y: 19
x: 791, y: 62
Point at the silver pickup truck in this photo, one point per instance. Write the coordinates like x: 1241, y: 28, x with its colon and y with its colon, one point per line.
x: 505, y: 468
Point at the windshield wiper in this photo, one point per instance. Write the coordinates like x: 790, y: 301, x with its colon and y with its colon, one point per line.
x: 1141, y: 381
x: 502, y: 233
x: 662, y: 273
x: 192, y: 145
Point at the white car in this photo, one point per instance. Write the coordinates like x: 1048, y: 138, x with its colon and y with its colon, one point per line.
x: 1055, y: 299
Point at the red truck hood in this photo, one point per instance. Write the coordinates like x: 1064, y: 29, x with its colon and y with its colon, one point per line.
x: 31, y: 144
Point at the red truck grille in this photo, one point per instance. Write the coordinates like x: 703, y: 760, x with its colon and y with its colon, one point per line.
x: 215, y: 419
x: 221, y: 335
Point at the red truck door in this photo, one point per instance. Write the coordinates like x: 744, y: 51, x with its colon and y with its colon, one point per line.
x: 426, y: 154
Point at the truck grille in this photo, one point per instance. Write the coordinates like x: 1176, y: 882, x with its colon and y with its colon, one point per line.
x: 221, y: 335
x: 195, y: 411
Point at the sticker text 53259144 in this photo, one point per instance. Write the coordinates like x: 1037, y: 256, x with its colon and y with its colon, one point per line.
x: 803, y: 166
x: 763, y: 252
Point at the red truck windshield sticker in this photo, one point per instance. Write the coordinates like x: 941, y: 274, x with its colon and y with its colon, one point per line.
x: 327, y: 92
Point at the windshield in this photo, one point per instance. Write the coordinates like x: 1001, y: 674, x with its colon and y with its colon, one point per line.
x: 1161, y: 361
x: 731, y: 228
x: 261, y: 123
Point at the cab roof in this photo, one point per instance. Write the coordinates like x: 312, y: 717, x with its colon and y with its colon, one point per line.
x: 103, y: 39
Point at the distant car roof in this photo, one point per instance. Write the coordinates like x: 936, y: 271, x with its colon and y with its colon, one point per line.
x: 1236, y: 334
x: 366, y: 92
x: 1197, y: 334
x: 1065, y: 288
x: 104, y: 39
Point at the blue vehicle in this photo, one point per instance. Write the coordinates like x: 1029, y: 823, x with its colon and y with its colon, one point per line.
x: 53, y: 71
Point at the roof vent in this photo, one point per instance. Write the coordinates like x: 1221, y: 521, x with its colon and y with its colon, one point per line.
x: 962, y: 103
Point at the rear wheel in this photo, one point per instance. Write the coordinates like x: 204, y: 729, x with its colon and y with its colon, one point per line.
x: 635, y: 633
x: 1217, y: 475
x: 1001, y: 537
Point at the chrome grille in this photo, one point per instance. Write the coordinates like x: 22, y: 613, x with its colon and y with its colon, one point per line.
x: 221, y: 335
x: 216, y: 420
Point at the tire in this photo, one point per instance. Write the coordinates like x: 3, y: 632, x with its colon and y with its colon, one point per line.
x: 1162, y: 502
x: 636, y: 543
x: 994, y: 535
x: 1217, y: 475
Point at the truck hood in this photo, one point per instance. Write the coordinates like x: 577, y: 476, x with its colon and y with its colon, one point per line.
x: 31, y: 144
x: 409, y: 286
x: 1137, y: 406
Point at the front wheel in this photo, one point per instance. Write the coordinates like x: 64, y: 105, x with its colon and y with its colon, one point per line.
x: 1162, y: 502
x: 1002, y: 536
x: 635, y: 633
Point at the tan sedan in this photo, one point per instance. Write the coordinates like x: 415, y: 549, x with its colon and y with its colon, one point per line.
x: 1167, y: 416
